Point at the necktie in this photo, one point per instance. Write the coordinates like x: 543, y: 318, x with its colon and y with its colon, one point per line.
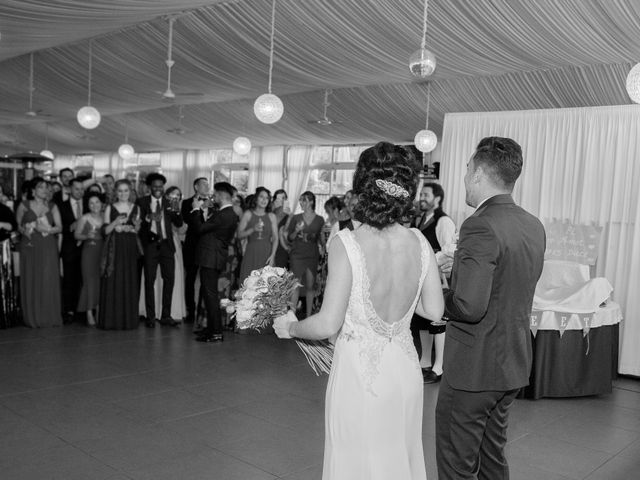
x: 158, y: 220
x: 78, y: 209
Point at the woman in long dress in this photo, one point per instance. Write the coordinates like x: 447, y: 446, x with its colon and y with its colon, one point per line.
x: 260, y: 228
x: 280, y: 208
x: 373, y: 416
x: 120, y: 287
x: 173, y: 196
x: 89, y: 231
x: 39, y: 221
x: 304, y: 235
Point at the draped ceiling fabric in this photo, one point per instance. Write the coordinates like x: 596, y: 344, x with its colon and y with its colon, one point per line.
x: 580, y: 165
x: 492, y: 55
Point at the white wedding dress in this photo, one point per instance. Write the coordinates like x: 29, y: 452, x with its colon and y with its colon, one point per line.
x: 373, y: 417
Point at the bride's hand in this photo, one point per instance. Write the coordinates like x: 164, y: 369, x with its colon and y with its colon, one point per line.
x: 282, y: 324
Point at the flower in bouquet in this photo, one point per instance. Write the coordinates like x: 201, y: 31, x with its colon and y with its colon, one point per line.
x: 265, y: 294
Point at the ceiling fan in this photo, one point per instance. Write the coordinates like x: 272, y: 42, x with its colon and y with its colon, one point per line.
x: 169, y: 95
x: 32, y: 112
x: 179, y: 129
x: 325, y: 120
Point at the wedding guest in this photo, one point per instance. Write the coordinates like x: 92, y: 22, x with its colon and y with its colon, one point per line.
x: 65, y: 176
x: 90, y: 232
x: 440, y: 231
x: 156, y: 233
x: 201, y: 191
x: 120, y: 287
x: 71, y: 210
x: 39, y: 221
x: 303, y: 232
x: 332, y: 207
x: 173, y: 198
x: 216, y: 231
x: 280, y: 208
x: 260, y: 228
x: 487, y: 356
x: 8, y: 222
x: 109, y: 185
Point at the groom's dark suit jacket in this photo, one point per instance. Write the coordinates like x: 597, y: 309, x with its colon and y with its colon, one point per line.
x: 215, y: 235
x: 495, y: 270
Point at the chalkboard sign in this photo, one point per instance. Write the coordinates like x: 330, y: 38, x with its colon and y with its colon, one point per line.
x: 572, y: 243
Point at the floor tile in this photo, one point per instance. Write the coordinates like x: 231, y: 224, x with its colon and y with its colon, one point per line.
x: 555, y: 456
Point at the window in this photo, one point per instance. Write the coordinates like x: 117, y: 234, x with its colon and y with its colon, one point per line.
x: 231, y: 168
x: 332, y: 172
x: 137, y: 168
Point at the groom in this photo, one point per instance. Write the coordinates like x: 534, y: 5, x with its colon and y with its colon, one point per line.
x: 487, y: 356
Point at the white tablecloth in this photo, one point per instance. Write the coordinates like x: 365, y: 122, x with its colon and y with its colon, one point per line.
x: 610, y: 314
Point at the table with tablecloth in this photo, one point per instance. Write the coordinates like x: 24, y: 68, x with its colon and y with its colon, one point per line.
x: 574, y: 354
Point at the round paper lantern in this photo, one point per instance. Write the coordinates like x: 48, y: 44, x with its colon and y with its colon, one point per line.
x: 422, y: 63
x: 89, y: 117
x: 47, y: 153
x: 242, y: 145
x: 126, y: 151
x: 425, y: 141
x: 633, y: 83
x: 268, y: 108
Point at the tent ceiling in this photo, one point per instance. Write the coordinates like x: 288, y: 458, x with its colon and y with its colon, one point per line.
x: 492, y: 55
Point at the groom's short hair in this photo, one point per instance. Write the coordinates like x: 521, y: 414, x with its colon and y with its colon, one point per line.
x: 501, y: 159
x: 224, y: 187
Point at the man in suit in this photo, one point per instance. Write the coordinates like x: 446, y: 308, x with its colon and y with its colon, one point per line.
x: 65, y: 175
x: 156, y: 235
x: 488, y: 353
x: 201, y: 192
x: 440, y: 232
x: 216, y: 231
x: 71, y: 210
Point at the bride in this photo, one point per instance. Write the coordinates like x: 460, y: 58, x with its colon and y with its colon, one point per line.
x: 379, y: 274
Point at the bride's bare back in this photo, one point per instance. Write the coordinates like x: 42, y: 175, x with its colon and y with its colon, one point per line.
x: 392, y: 264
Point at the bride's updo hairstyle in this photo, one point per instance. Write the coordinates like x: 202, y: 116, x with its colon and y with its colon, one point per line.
x: 385, y: 182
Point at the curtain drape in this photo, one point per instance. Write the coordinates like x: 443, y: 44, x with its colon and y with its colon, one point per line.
x: 580, y: 165
x: 174, y: 168
x: 299, y: 159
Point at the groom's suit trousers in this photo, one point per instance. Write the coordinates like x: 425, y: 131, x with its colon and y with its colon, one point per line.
x: 471, y: 428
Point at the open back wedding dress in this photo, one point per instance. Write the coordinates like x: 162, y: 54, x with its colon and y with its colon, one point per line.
x: 374, y: 396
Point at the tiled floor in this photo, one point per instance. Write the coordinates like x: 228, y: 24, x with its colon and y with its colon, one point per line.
x: 76, y: 403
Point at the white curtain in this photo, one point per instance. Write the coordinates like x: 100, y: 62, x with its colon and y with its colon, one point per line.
x: 173, y: 167
x: 581, y: 165
x: 266, y: 168
x: 64, y: 161
x: 299, y: 160
x: 101, y: 164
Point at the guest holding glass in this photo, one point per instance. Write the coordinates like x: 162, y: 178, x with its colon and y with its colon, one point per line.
x: 89, y: 231
x: 304, y: 234
x: 260, y: 228
x: 120, y: 288
x: 173, y: 199
x: 39, y: 221
x: 281, y: 210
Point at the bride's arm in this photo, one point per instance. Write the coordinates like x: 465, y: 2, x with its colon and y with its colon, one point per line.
x: 328, y: 321
x: 431, y: 303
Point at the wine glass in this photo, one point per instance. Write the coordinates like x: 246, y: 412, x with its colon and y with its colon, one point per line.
x: 260, y: 228
x: 30, y: 228
x: 93, y: 231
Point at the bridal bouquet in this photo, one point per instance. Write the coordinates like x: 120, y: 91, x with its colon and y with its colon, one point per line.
x: 265, y: 295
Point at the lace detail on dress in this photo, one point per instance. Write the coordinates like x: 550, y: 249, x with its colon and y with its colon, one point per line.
x: 373, y: 333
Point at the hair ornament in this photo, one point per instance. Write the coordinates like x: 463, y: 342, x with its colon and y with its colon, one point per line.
x: 391, y: 188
